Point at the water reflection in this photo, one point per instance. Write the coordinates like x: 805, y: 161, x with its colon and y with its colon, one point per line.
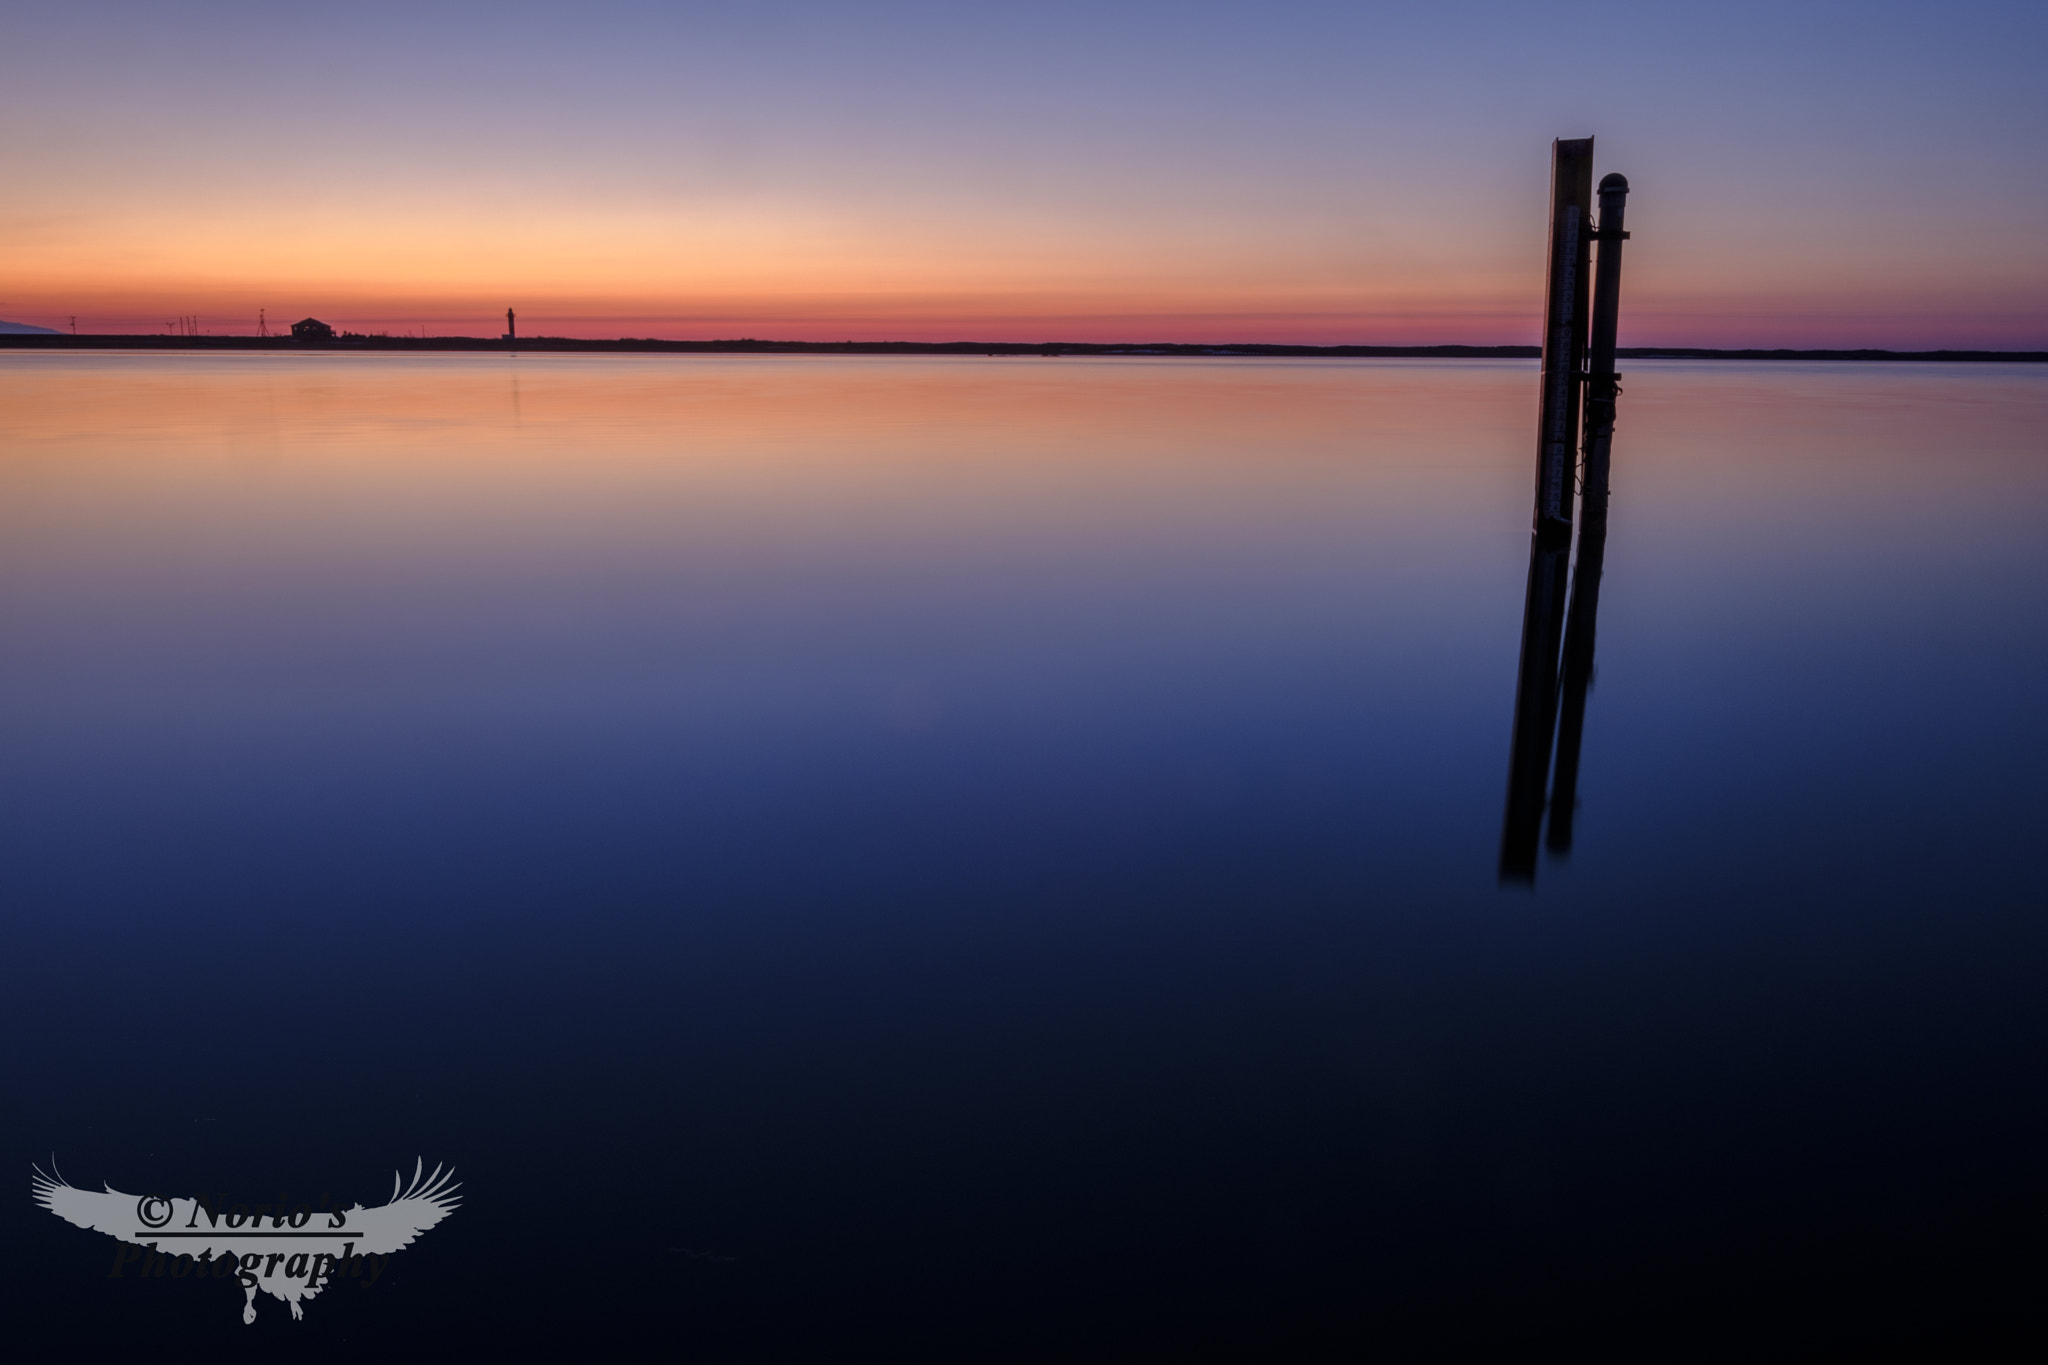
x: 1001, y: 835
x: 1535, y: 709
x: 1577, y: 676
x: 1550, y: 694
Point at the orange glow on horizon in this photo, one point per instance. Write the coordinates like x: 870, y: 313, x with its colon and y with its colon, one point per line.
x: 788, y: 272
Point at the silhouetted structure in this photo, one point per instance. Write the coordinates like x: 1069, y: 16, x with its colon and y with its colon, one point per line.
x: 312, y: 329
x: 1564, y: 333
x: 1540, y: 688
x: 1603, y: 385
x: 511, y: 330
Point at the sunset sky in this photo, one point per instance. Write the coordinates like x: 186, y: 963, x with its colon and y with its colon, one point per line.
x: 1806, y: 174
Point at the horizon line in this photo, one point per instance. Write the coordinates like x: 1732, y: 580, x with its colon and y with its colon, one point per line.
x: 1441, y: 350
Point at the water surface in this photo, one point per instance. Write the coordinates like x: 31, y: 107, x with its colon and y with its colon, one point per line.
x: 985, y: 859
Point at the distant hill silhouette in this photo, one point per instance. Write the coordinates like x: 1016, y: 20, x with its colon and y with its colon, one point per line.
x: 23, y: 329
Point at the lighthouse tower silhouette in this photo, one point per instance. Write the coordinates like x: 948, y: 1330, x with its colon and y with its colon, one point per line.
x: 511, y: 332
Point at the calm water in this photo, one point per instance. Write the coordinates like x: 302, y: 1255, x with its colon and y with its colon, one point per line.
x: 997, y: 859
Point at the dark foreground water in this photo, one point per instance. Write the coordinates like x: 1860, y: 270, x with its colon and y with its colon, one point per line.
x: 998, y: 859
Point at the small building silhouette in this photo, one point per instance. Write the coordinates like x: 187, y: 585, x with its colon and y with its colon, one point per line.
x: 312, y: 329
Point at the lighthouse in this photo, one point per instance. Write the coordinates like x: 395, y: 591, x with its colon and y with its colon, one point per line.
x: 511, y: 332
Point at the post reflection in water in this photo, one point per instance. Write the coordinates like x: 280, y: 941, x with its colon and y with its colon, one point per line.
x: 1535, y: 710
x: 1550, y: 696
x: 1576, y: 677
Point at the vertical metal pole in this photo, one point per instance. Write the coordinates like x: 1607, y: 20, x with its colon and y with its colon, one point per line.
x: 1602, y: 387
x: 1602, y: 383
x: 1564, y: 334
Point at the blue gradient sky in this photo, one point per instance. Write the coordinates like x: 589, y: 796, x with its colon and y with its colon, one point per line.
x: 1806, y: 174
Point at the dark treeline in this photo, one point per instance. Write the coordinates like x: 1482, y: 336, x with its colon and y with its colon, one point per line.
x: 749, y: 345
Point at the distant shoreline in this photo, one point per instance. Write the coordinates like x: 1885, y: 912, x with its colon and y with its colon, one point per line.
x: 748, y: 346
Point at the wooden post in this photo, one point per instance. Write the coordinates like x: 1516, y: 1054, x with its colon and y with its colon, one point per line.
x: 1564, y: 353
x: 1564, y: 334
